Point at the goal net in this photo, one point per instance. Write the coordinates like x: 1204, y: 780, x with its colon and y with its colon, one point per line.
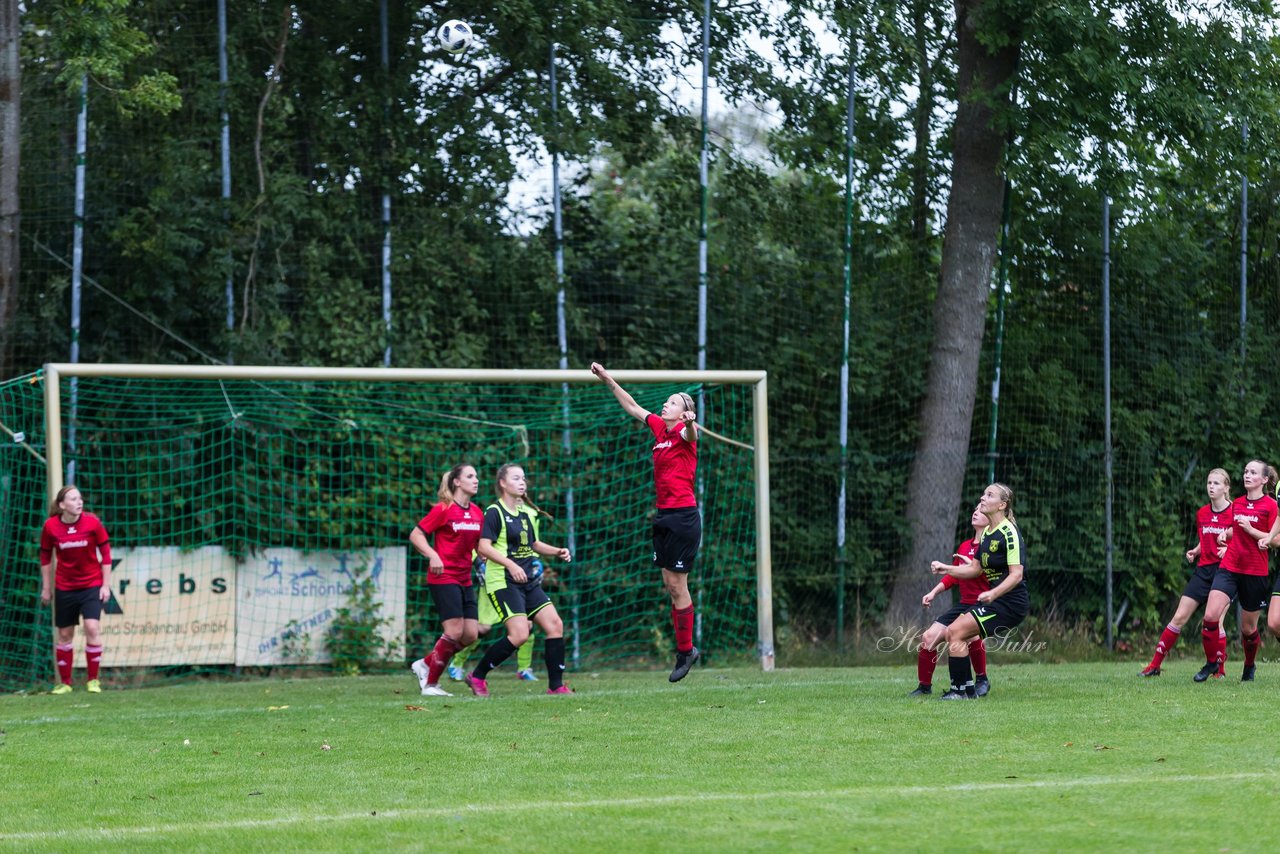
x: 259, y: 518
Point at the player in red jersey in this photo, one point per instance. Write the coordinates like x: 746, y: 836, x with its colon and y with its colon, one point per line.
x: 454, y: 523
x: 1212, y: 521
x: 931, y: 640
x: 1255, y: 519
x: 78, y: 544
x: 677, y: 527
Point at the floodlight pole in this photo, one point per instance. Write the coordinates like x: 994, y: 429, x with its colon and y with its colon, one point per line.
x: 841, y: 562
x: 1244, y: 250
x: 386, y: 190
x: 1106, y: 420
x: 77, y: 263
x: 702, y: 267
x: 562, y: 333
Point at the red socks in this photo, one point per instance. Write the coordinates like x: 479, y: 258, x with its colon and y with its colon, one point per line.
x: 438, y: 659
x: 682, y: 622
x: 92, y: 655
x: 1168, y: 638
x: 1251, y: 644
x: 64, y: 662
x: 926, y: 663
x: 978, y: 655
x: 1212, y: 644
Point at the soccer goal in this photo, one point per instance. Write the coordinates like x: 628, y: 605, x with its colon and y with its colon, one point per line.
x: 260, y: 516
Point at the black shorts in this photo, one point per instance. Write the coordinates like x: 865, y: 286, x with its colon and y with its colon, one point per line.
x: 954, y: 614
x: 998, y: 618
x: 70, y: 605
x: 454, y: 601
x: 1251, y: 590
x: 516, y: 600
x: 677, y: 534
x: 1200, y: 583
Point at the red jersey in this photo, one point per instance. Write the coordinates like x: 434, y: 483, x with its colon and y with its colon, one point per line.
x: 457, y: 533
x: 1209, y: 524
x: 1243, y: 555
x: 81, y: 549
x: 969, y: 587
x: 675, y: 459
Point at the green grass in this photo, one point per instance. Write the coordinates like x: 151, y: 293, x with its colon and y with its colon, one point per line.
x: 1062, y: 757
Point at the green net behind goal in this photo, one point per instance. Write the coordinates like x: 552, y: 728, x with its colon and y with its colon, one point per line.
x: 259, y: 525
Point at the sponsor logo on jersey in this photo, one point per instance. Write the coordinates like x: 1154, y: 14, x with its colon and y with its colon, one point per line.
x: 466, y: 526
x: 73, y: 544
x: 661, y: 445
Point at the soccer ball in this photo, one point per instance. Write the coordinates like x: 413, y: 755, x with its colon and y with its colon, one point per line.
x: 454, y: 36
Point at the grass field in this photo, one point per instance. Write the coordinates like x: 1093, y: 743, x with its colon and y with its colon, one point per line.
x: 1058, y: 757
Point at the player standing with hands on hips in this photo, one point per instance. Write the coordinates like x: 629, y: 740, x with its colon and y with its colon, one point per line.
x: 677, y: 528
x: 75, y: 571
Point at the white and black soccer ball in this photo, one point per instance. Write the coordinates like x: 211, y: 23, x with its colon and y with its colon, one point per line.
x: 454, y: 36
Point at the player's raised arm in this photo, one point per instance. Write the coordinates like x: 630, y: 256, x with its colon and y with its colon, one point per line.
x: 628, y: 402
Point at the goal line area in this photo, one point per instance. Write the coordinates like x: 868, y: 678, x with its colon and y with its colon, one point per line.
x: 259, y: 517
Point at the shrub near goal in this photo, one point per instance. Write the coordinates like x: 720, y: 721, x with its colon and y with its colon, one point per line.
x: 290, y: 484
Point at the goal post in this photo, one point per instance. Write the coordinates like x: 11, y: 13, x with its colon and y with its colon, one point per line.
x: 271, y: 416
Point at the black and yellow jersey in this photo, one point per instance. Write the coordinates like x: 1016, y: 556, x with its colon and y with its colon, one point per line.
x: 513, y: 533
x: 1001, y: 548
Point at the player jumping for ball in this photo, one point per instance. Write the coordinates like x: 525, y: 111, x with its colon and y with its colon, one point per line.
x: 677, y: 528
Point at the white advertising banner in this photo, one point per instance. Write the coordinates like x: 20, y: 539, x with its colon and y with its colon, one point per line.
x: 286, y: 601
x: 168, y: 606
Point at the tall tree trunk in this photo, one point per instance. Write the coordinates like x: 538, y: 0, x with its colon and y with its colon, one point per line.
x: 959, y: 310
x: 10, y: 150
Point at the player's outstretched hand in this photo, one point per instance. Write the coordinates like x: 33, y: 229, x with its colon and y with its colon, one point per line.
x: 598, y: 370
x: 939, y: 568
x: 564, y: 555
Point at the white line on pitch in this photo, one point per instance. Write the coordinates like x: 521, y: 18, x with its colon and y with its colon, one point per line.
x: 91, y: 833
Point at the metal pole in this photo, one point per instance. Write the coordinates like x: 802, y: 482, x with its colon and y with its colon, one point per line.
x: 77, y: 268
x: 386, y: 194
x: 844, y: 353
x: 1106, y: 393
x: 562, y: 332
x: 702, y: 211
x: 702, y: 267
x: 1002, y: 281
x: 225, y: 146
x: 1244, y: 249
x: 764, y: 549
x: 53, y: 452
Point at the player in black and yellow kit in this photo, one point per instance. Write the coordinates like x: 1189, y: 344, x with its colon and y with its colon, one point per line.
x: 509, y: 544
x: 1005, y: 605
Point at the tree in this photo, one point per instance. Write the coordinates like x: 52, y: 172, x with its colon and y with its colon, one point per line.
x: 986, y: 69
x: 1121, y: 95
